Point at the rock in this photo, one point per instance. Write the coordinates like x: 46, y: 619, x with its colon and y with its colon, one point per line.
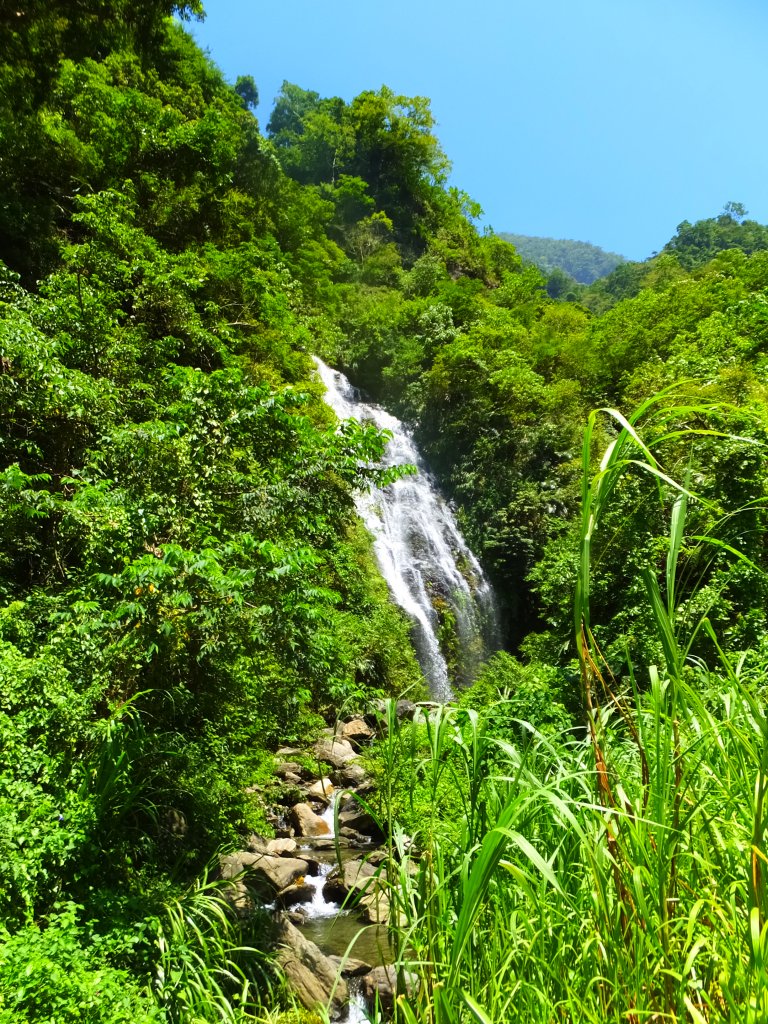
x: 380, y: 986
x: 302, y: 892
x: 237, y: 896
x: 288, y: 751
x: 350, y: 968
x: 405, y: 709
x: 321, y: 790
x: 312, y: 976
x: 267, y: 875
x: 354, y: 838
x: 353, y: 875
x: 288, y: 768
x: 374, y: 906
x: 296, y: 916
x: 307, y: 822
x: 326, y: 842
x: 360, y: 821
x: 281, y: 847
x: 351, y: 775
x: 336, y: 752
x: 376, y: 857
x: 357, y: 731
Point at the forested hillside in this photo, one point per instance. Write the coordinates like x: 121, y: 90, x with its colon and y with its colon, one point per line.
x: 582, y: 261
x: 185, y: 586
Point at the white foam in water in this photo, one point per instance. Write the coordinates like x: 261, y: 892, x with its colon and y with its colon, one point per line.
x: 356, y: 1013
x: 319, y: 907
x: 418, y: 546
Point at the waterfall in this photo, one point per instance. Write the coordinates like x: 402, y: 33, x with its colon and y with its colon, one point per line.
x: 420, y: 551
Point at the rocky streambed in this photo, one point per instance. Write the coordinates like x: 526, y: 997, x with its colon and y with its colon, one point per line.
x: 325, y: 876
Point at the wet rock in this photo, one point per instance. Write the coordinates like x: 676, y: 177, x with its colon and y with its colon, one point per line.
x: 381, y: 985
x: 353, y: 876
x: 323, y: 790
x: 357, y: 731
x: 308, y: 823
x: 334, y: 751
x: 301, y: 892
x: 266, y: 874
x: 312, y: 975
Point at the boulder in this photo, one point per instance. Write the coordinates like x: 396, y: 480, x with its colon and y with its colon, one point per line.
x: 312, y: 975
x: 357, y: 731
x: 323, y: 790
x: 360, y: 821
x: 288, y: 769
x: 308, y: 823
x: 380, y: 987
x: 267, y: 875
x: 354, y: 839
x: 301, y: 892
x: 237, y: 896
x: 288, y: 751
x: 352, y: 775
x: 335, y: 751
x: 281, y: 847
x: 256, y: 844
x: 357, y: 875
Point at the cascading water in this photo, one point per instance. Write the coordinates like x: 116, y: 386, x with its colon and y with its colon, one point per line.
x: 419, y: 548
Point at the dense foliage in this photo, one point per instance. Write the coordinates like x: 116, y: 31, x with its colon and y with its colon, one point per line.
x: 581, y: 261
x: 183, y: 582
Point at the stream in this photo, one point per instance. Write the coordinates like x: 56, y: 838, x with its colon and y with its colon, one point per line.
x: 434, y: 577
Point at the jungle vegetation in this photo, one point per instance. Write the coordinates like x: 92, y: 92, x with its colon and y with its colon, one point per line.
x: 184, y: 585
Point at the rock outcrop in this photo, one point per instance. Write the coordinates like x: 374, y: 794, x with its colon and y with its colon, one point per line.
x: 313, y: 976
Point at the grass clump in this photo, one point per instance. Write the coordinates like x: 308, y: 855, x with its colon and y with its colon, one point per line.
x: 614, y: 869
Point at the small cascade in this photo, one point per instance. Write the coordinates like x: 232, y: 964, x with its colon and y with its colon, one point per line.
x: 319, y: 906
x: 421, y: 553
x: 357, y: 1012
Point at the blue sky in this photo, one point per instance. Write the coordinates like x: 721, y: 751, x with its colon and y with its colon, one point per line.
x: 607, y: 120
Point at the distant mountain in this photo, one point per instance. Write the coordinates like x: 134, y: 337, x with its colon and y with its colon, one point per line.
x: 582, y: 260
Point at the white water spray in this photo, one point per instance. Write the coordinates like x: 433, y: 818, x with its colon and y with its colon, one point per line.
x: 419, y: 548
